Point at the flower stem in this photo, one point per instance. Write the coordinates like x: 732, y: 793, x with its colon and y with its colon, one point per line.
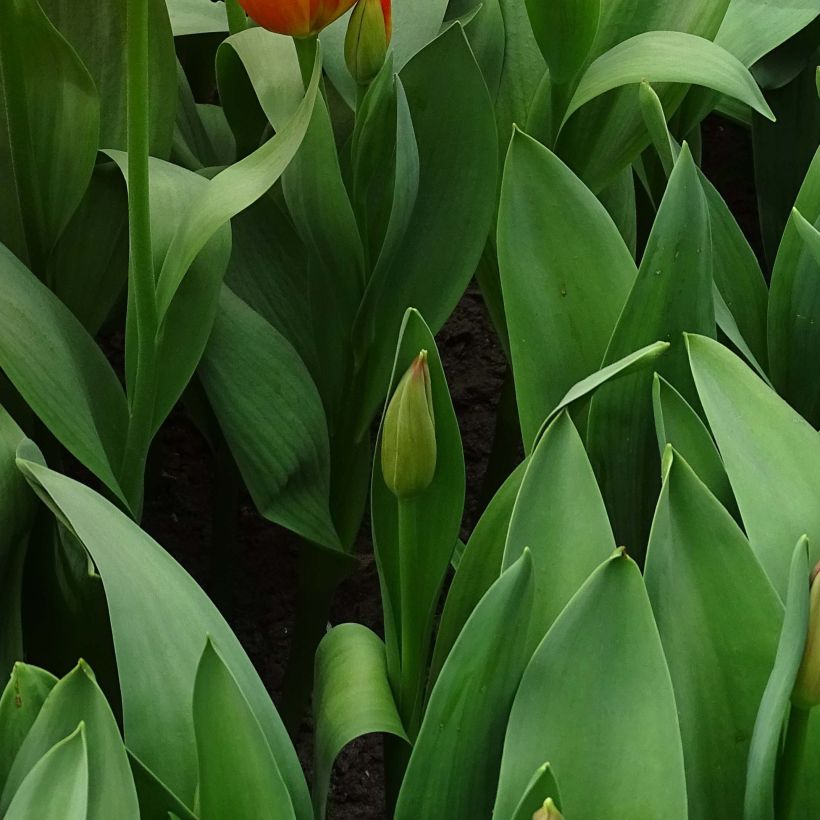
x: 237, y: 20
x: 306, y: 52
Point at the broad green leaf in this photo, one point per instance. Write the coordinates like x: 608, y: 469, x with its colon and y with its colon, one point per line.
x: 272, y: 417
x: 454, y: 764
x: 718, y: 617
x: 560, y: 301
x: 596, y: 701
x: 443, y: 242
x: 775, y: 703
x: 351, y: 698
x: 671, y: 57
x: 57, y: 788
x: 752, y: 28
x: 60, y: 372
x: 238, y: 775
x: 565, y: 31
x: 76, y: 698
x: 49, y: 130
x: 794, y: 331
x: 16, y: 515
x: 542, y: 785
x: 184, y: 332
x: 619, y: 200
x: 672, y: 294
x: 560, y: 516
x: 155, y: 798
x: 772, y: 456
x: 146, y: 591
x: 197, y: 17
x: 808, y: 233
x: 97, y: 31
x: 411, y: 584
x: 20, y: 704
x: 677, y: 423
x: 478, y: 569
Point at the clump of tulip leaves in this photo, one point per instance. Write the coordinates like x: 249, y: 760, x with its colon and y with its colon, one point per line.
x: 632, y: 627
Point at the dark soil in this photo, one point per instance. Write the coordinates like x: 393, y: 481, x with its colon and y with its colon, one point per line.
x: 264, y: 559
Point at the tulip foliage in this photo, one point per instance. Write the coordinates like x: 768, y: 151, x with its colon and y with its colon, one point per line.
x: 258, y: 214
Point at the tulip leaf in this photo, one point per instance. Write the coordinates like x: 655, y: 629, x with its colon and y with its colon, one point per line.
x: 560, y: 516
x: 196, y: 17
x: 794, y: 334
x: 775, y: 703
x: 60, y: 372
x: 155, y: 798
x: 543, y: 785
x: 20, y: 704
x: 560, y: 302
x: 146, y: 591
x: 603, y: 652
x: 774, y: 468
x: 238, y: 775
x: 718, y: 617
x: 677, y: 423
x: 75, y: 698
x: 469, y: 706
x: 50, y: 115
x: 272, y: 417
x: 479, y: 567
x: 57, y: 787
x: 98, y: 33
x: 446, y: 234
x: 672, y: 294
x: 352, y: 697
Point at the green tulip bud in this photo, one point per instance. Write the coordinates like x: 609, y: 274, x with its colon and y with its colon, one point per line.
x: 367, y: 38
x: 409, y: 433
x: 548, y: 811
x: 806, y: 692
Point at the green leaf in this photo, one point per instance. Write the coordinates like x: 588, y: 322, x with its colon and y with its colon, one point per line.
x: 478, y: 569
x: 671, y: 57
x: 49, y: 127
x: 147, y: 591
x: 772, y: 456
x: 718, y: 618
x: 238, y: 775
x: 155, y: 798
x: 560, y: 300
x: 677, y: 423
x: 752, y: 28
x: 20, y: 704
x: 60, y: 372
x: 794, y: 334
x: 351, y: 698
x: 57, y: 786
x: 75, y: 698
x: 560, y: 516
x: 672, y: 294
x: 196, y: 17
x: 565, y: 31
x: 602, y: 653
x: 542, y: 785
x: 775, y: 703
x: 443, y: 242
x: 97, y: 32
x: 272, y: 417
x: 454, y: 764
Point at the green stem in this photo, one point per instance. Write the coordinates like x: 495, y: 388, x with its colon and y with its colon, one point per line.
x: 791, y: 762
x: 142, y: 293
x: 306, y: 52
x: 237, y: 20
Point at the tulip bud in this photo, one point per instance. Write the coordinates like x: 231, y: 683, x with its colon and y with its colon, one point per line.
x: 806, y: 692
x: 367, y: 38
x: 409, y: 433
x: 548, y: 811
x: 296, y: 18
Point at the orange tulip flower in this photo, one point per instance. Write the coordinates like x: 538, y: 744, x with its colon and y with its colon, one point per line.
x: 297, y: 18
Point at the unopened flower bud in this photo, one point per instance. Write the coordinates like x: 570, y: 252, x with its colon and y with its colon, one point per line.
x: 367, y: 38
x: 409, y: 433
x: 548, y: 811
x: 806, y: 693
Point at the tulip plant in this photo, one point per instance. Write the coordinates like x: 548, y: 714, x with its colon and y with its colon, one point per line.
x: 261, y: 212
